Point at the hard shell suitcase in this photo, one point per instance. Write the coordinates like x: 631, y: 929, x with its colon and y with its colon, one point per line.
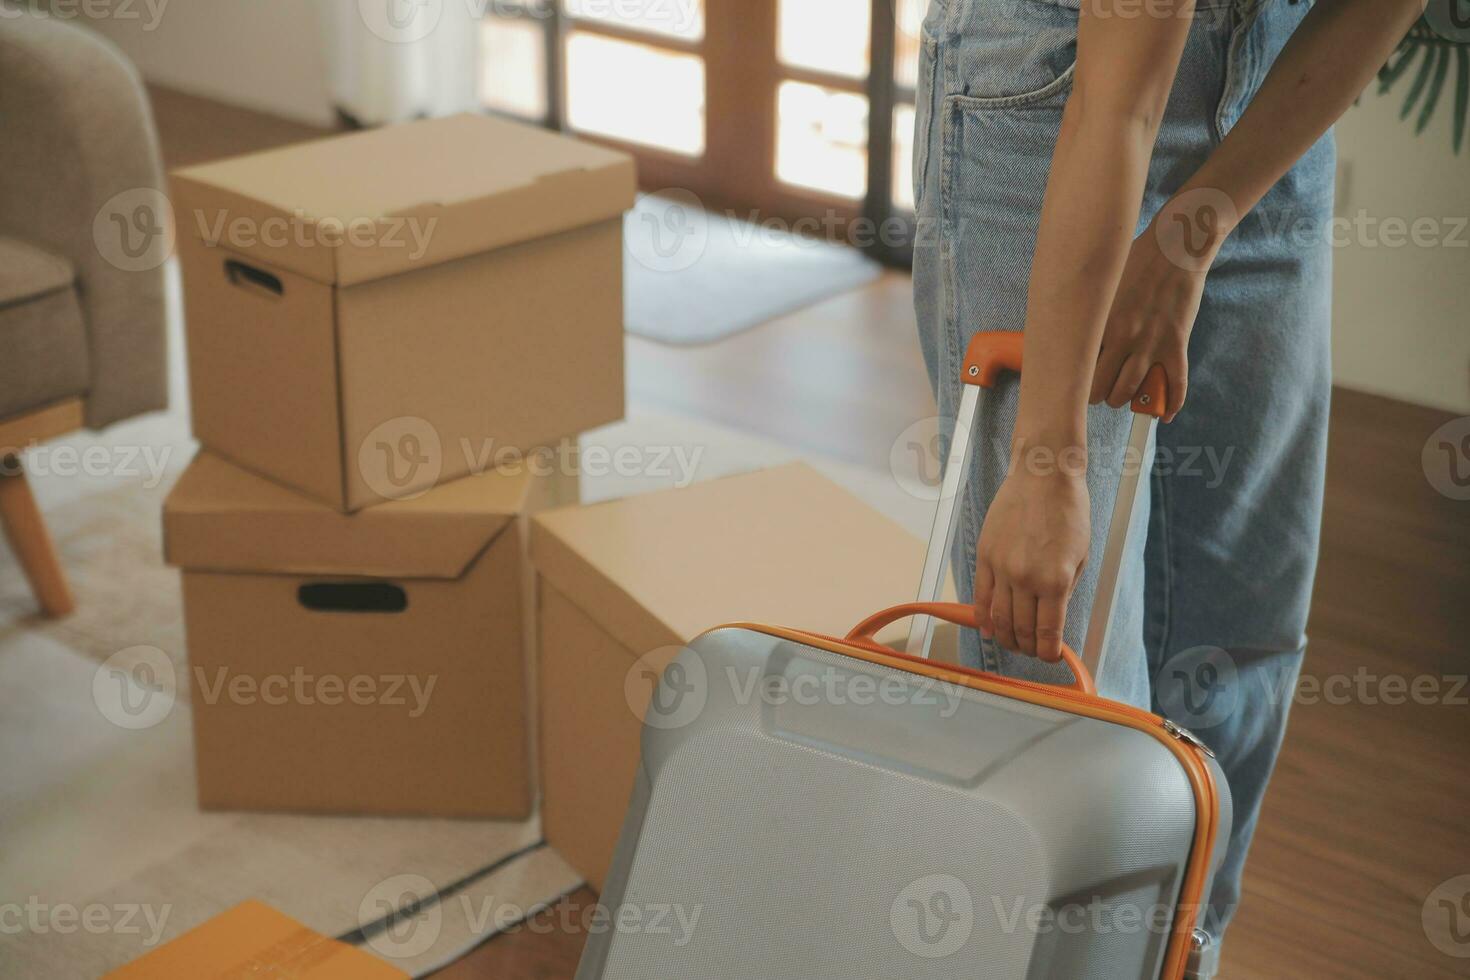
x: 816, y: 808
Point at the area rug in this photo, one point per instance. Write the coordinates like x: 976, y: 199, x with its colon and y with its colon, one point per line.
x: 100, y: 820
x: 100, y: 826
x: 694, y: 276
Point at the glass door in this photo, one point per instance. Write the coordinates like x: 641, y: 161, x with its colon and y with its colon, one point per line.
x: 798, y: 111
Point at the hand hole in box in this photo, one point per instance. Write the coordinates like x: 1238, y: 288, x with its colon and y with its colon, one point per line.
x: 356, y: 597
x: 249, y: 277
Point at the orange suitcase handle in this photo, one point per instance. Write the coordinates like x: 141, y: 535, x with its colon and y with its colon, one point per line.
x: 992, y: 352
x: 866, y: 632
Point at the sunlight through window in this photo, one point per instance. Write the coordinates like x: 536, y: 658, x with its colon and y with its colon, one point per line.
x: 513, y: 67
x: 823, y: 140
x: 826, y: 35
x: 635, y: 92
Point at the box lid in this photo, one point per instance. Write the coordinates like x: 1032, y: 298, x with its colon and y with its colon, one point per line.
x: 222, y: 518
x: 253, y: 939
x: 348, y: 209
x: 783, y: 546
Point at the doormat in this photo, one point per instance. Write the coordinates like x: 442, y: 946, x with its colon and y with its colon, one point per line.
x: 694, y: 276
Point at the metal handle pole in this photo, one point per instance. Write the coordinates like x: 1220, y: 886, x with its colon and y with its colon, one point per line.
x: 946, y: 518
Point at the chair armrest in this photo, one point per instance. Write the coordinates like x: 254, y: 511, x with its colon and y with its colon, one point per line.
x: 78, y: 131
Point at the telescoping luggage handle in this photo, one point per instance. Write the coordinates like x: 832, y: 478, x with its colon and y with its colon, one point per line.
x: 990, y: 355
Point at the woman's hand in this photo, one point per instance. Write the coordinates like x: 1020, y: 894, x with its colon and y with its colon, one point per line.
x: 1151, y: 318
x: 1032, y: 548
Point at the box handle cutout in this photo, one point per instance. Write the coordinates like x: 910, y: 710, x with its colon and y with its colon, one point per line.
x: 249, y: 277
x: 356, y: 597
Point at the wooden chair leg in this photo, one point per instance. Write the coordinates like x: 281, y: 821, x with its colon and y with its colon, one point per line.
x: 31, y: 541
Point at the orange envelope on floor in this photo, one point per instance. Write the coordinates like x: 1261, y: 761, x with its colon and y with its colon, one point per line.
x: 254, y: 940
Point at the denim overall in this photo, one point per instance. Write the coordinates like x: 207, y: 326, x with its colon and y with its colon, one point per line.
x: 1210, y: 621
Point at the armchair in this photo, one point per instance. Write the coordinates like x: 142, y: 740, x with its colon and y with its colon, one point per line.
x: 81, y: 322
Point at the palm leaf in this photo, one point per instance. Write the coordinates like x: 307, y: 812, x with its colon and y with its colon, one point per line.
x: 1462, y: 95
x: 1431, y: 77
x: 1421, y: 79
x: 1436, y: 87
x: 1392, y: 71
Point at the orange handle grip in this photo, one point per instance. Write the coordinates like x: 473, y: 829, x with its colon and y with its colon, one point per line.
x: 865, y: 633
x: 994, y: 352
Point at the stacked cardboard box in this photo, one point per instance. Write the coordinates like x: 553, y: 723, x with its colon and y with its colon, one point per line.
x: 381, y: 327
x: 624, y: 584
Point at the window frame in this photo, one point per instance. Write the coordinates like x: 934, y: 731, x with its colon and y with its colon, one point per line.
x: 737, y: 171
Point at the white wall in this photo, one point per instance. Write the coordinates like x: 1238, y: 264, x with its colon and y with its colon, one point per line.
x: 1401, y: 315
x: 262, y: 54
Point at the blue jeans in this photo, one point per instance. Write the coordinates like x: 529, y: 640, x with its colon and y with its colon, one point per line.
x: 1210, y: 624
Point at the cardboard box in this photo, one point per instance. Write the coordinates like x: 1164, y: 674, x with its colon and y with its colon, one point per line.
x: 369, y: 315
x: 368, y: 663
x: 621, y: 585
x: 254, y: 940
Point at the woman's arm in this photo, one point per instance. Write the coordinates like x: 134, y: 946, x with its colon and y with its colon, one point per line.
x: 1035, y: 536
x: 1328, y: 61
x: 1036, y: 532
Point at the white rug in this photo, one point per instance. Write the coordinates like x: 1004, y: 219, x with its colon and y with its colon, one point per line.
x: 100, y: 821
x: 693, y: 276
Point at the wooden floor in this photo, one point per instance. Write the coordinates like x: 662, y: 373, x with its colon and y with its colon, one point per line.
x: 1370, y: 809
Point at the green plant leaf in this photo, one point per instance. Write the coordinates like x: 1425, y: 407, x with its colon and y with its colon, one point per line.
x: 1420, y: 80
x: 1431, y: 77
x: 1462, y: 95
x: 1392, y: 71
x: 1436, y: 87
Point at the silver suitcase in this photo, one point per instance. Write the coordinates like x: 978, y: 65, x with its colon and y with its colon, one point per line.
x: 815, y: 808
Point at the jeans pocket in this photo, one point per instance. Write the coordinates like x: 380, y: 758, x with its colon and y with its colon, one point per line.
x: 1053, y: 93
x: 1012, y: 52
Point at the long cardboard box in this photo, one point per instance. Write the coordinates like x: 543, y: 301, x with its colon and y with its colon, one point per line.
x: 254, y: 940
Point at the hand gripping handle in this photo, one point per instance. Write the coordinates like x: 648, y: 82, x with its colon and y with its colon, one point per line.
x: 960, y: 614
x: 995, y: 352
x: 990, y: 355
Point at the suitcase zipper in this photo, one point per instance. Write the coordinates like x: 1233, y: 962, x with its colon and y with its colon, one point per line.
x: 1188, y: 737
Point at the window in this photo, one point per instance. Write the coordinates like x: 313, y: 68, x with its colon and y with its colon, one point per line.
x: 783, y: 109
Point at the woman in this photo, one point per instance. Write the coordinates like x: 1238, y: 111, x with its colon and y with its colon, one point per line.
x: 1140, y: 182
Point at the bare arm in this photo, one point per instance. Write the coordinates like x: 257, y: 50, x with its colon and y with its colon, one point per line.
x: 1097, y: 321
x: 1328, y: 61
x: 1325, y: 65
x: 1035, y: 536
x: 1125, y: 69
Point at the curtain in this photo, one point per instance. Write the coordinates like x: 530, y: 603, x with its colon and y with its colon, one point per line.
x: 393, y: 60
